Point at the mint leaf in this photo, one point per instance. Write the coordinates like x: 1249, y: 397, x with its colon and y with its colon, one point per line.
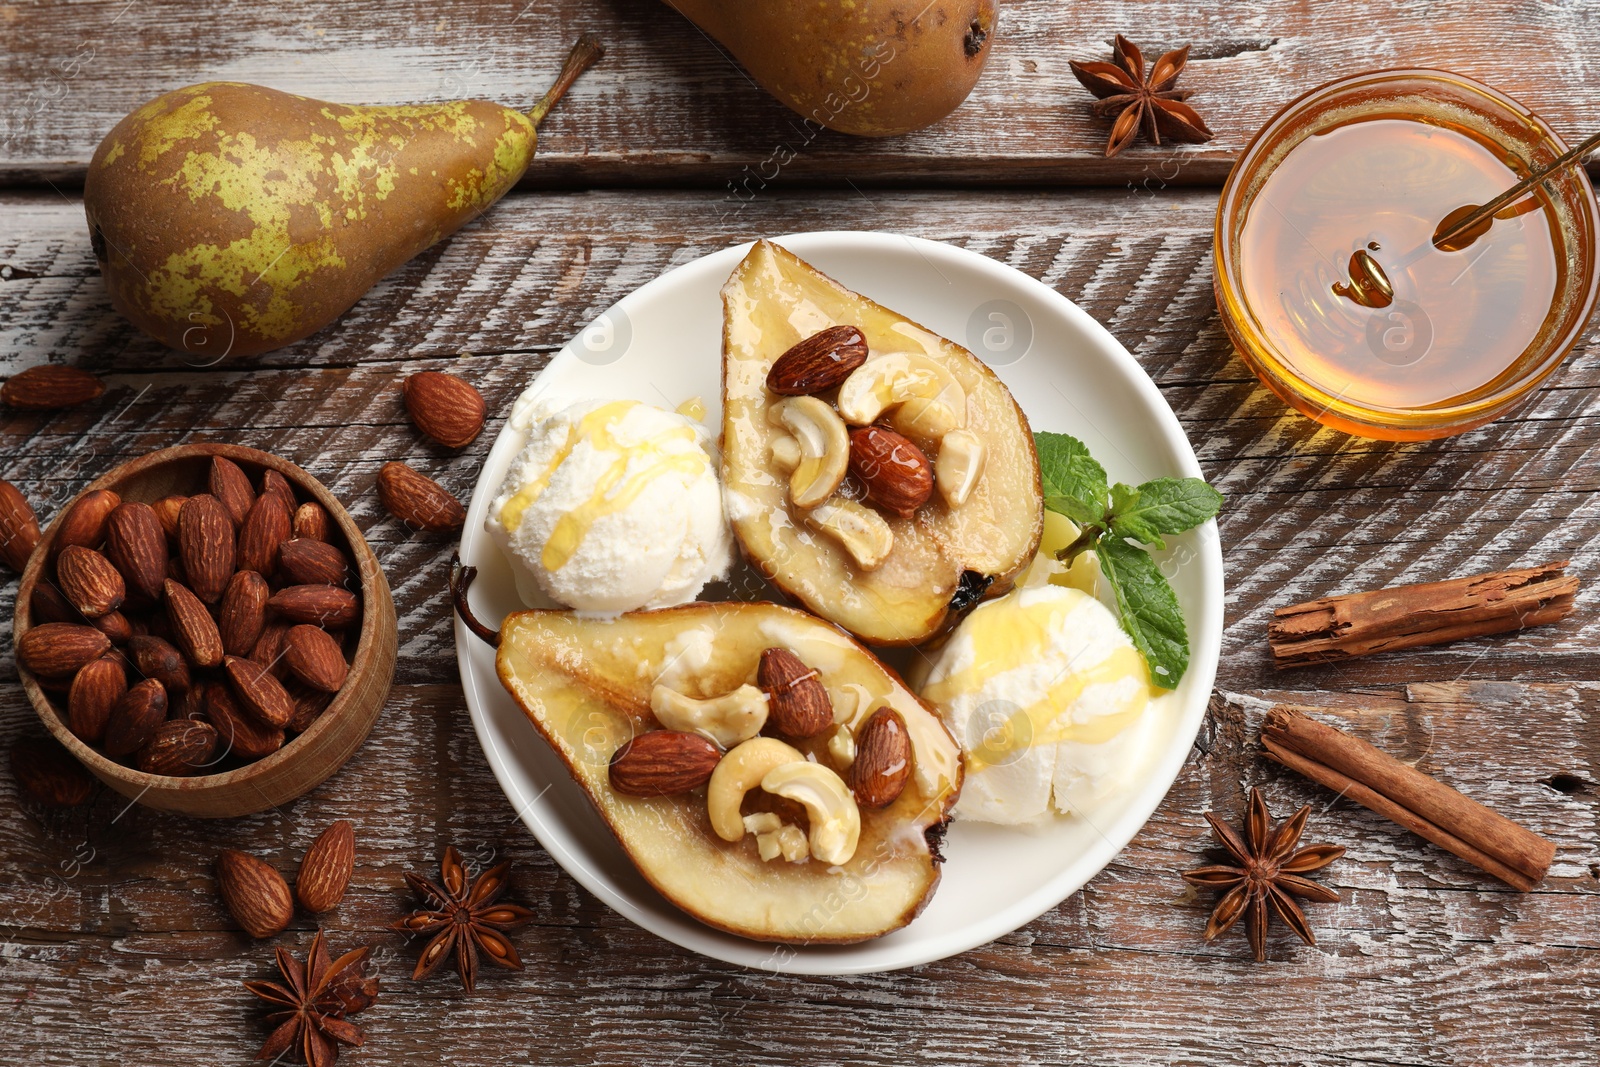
x: 1074, y: 484
x: 1128, y: 521
x: 1149, y: 607
x: 1163, y: 506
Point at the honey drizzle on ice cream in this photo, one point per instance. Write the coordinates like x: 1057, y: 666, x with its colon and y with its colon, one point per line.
x: 596, y: 427
x: 1013, y: 634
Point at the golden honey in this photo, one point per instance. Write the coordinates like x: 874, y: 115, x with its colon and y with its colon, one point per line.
x: 1360, y: 173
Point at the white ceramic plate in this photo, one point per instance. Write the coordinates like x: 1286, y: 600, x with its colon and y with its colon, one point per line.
x: 662, y: 344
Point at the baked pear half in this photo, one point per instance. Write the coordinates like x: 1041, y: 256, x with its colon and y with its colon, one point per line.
x: 762, y: 770
x: 873, y: 470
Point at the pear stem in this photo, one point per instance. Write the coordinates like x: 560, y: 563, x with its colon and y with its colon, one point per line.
x: 584, y: 55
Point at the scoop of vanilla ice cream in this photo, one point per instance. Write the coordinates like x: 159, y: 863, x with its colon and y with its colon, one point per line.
x: 612, y: 506
x: 1047, y: 697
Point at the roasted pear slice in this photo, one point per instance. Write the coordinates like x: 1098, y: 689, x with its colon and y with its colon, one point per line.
x: 586, y: 684
x: 840, y: 559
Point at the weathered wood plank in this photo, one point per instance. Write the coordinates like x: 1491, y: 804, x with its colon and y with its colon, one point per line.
x: 667, y: 106
x: 106, y: 910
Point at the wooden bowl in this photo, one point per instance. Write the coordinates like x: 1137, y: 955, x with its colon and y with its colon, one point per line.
x: 310, y: 758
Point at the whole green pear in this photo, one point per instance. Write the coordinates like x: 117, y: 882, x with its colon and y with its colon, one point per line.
x: 232, y: 219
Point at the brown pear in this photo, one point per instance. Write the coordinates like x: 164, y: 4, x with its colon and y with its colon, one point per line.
x: 947, y: 551
x: 588, y: 685
x: 873, y: 68
x: 232, y: 219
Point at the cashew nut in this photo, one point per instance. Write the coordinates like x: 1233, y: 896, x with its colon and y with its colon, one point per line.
x: 824, y: 448
x: 835, y: 819
x: 959, y: 466
x: 842, y: 747
x: 784, y: 839
x: 740, y: 771
x: 928, y: 401
x: 861, y: 531
x: 762, y: 822
x: 792, y: 843
x: 851, y: 702
x: 785, y: 453
x: 727, y: 719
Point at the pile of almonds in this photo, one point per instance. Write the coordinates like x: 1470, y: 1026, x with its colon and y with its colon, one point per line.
x: 196, y: 633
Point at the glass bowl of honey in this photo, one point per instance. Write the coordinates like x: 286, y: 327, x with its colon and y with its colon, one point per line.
x: 1350, y: 183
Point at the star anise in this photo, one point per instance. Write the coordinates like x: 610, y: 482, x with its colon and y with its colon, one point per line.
x: 1150, y: 104
x: 316, y: 999
x: 464, y: 917
x: 1268, y: 875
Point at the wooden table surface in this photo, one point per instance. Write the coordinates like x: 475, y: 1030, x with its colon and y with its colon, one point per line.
x: 114, y: 946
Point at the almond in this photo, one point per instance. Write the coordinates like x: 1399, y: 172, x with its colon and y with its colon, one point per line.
x: 326, y: 869
x: 189, y: 704
x: 115, y: 625
x: 50, y: 387
x: 95, y: 691
x: 266, y: 527
x: 275, y: 484
x: 417, y: 500
x: 46, y: 604
x: 89, y: 581
x: 206, y: 545
x: 243, y: 612
x: 19, y: 527
x: 819, y: 362
x: 135, y: 717
x: 137, y: 545
x: 309, y: 704
x: 315, y: 658
x: 179, y: 748
x: 311, y: 521
x: 895, y: 472
x: 193, y: 627
x: 883, y: 760
x: 663, y: 762
x: 446, y: 408
x: 255, y: 893
x: 238, y: 733
x: 86, y: 520
x: 317, y: 605
x: 47, y: 772
x: 797, y: 702
x: 311, y: 562
x: 60, y: 649
x: 156, y: 657
x: 231, y: 486
x: 258, y: 692
x: 167, y: 510
x: 269, y: 647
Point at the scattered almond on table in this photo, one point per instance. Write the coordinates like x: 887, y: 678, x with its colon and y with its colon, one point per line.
x: 50, y: 387
x: 446, y: 408
x: 417, y: 500
x: 254, y: 892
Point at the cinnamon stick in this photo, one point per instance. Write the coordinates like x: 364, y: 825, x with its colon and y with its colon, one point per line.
x: 1404, y: 795
x: 1359, y: 624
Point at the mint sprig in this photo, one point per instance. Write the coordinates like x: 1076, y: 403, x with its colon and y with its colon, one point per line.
x: 1117, y: 522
